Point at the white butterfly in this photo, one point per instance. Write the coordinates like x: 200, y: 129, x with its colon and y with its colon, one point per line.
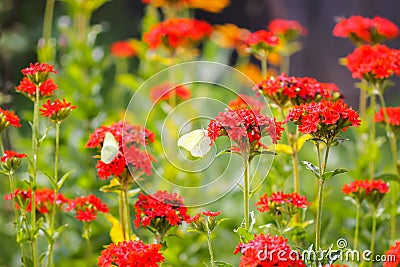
x: 110, y: 148
x: 196, y: 142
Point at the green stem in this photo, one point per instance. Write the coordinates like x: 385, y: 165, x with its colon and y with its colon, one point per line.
x: 264, y: 56
x: 372, y: 137
x: 355, y: 241
x: 373, y: 232
x: 284, y: 64
x: 86, y: 236
x: 210, y: 249
x: 33, y: 176
x: 1, y: 146
x: 246, y: 193
x: 121, y: 213
x: 17, y: 219
x: 127, y: 219
x: 363, y: 104
x: 50, y: 260
x: 48, y: 20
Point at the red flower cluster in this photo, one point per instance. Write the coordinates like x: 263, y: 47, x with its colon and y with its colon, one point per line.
x: 129, y: 138
x: 8, y: 118
x: 56, y: 111
x: 288, y: 29
x: 166, y: 91
x: 37, y: 75
x: 10, y: 154
x: 242, y: 125
x: 361, y: 29
x: 122, y: 49
x: 374, y: 62
x: 87, y: 207
x: 261, y: 252
x: 394, y: 251
x: 175, y: 33
x: 262, y: 40
x: 131, y: 253
x: 284, y: 90
x: 44, y: 199
x: 280, y: 202
x: 161, y: 205
x: 324, y: 120
x: 371, y: 190
x: 11, y: 160
x: 205, y: 221
x: 393, y: 114
x: 205, y: 213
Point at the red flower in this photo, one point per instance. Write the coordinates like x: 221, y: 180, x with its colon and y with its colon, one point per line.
x: 371, y: 190
x: 57, y: 111
x: 393, y: 114
x: 279, y: 201
x: 129, y: 138
x: 11, y: 160
x: 262, y: 40
x: 123, y: 49
x: 261, y: 252
x: 87, y: 207
x: 44, y: 199
x: 175, y: 33
x: 242, y: 125
x: 28, y: 87
x: 289, y: 29
x: 211, y: 213
x: 166, y: 91
x: 10, y: 154
x: 8, y: 118
x: 393, y: 256
x: 284, y: 90
x: 161, y: 205
x: 361, y: 29
x: 131, y: 253
x: 36, y: 68
x: 374, y: 62
x: 244, y: 101
x: 323, y: 120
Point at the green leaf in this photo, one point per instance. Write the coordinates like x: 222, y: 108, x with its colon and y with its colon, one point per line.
x: 330, y: 174
x: 63, y: 179
x: 134, y: 192
x: 223, y: 152
x: 40, y: 141
x: 245, y: 235
x: 27, y: 261
x: 387, y: 177
x: 222, y: 264
x: 58, y: 231
x: 311, y: 167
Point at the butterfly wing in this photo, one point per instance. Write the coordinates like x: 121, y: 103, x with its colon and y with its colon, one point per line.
x: 196, y: 142
x: 110, y: 148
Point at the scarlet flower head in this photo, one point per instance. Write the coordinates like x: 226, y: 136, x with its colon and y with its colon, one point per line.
x: 205, y: 221
x: 366, y: 30
x: 371, y: 190
x: 262, y: 41
x: 8, y: 118
x: 260, y: 252
x: 324, y: 120
x: 280, y: 202
x: 160, y: 212
x: 56, y: 111
x: 131, y: 253
x: 123, y: 49
x: 289, y: 90
x: 38, y: 72
x: 390, y: 115
x: 130, y: 139
x: 373, y: 63
x: 44, y: 199
x: 46, y: 88
x: 287, y: 30
x: 393, y: 252
x: 167, y: 91
x: 11, y: 160
x: 87, y: 207
x: 174, y: 33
